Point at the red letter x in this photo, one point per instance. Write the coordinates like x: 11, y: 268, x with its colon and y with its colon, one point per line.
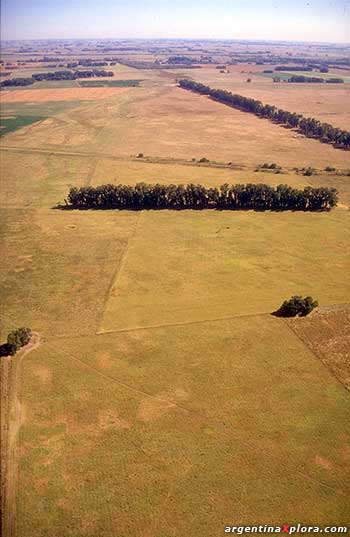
x: 285, y: 528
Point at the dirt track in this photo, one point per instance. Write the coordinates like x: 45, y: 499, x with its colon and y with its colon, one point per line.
x: 10, y: 426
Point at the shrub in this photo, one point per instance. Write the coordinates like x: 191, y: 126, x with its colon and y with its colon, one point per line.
x: 309, y: 171
x: 329, y: 169
x: 296, y: 306
x: 203, y: 159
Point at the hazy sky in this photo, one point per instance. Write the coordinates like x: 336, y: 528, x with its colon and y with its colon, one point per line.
x: 310, y: 20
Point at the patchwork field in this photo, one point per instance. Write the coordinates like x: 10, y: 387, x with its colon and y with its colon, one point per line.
x: 166, y: 121
x: 163, y: 399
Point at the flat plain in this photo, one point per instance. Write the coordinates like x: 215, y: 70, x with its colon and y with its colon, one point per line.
x: 164, y: 400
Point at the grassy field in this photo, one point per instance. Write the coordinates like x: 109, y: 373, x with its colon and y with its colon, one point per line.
x: 15, y: 116
x: 109, y: 83
x: 12, y: 123
x: 143, y: 411
x: 149, y: 434
x: 191, y: 266
x: 285, y: 75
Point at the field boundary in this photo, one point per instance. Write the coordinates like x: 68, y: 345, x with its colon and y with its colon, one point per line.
x: 183, y: 323
x: 144, y: 160
x: 12, y: 423
x: 116, y: 273
x: 322, y: 310
x: 132, y: 388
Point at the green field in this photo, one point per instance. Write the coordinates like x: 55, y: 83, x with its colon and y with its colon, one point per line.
x: 164, y: 400
x: 12, y: 123
x: 190, y: 266
x: 109, y: 83
x: 285, y: 75
x: 14, y: 116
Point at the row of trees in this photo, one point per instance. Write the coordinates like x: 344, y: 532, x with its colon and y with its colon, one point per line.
x: 308, y: 79
x: 57, y: 75
x: 15, y: 340
x: 313, y: 79
x: 293, y: 68
x: 310, y: 127
x: 259, y: 197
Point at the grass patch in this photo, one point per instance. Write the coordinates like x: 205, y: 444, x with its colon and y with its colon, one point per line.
x: 285, y: 75
x: 190, y: 266
x: 11, y: 124
x: 109, y: 83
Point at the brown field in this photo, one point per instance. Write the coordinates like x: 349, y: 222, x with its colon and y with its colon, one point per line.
x: 64, y: 94
x: 326, y: 333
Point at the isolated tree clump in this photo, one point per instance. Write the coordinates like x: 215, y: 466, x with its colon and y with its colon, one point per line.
x: 296, y: 306
x: 15, y: 340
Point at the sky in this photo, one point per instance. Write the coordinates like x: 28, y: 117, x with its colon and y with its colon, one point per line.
x: 294, y: 20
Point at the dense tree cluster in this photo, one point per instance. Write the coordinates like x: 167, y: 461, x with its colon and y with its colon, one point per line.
x: 302, y: 78
x: 296, y: 306
x: 15, y: 340
x: 72, y: 75
x: 259, y: 197
x: 293, y: 68
x: 17, y: 82
x: 181, y: 59
x: 57, y: 75
x: 310, y: 127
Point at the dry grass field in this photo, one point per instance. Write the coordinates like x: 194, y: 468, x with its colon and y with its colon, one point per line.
x: 166, y: 121
x: 164, y: 400
x: 61, y: 94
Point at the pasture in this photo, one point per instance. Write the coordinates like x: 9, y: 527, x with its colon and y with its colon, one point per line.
x: 109, y: 83
x: 164, y: 399
x: 287, y: 74
x: 12, y: 123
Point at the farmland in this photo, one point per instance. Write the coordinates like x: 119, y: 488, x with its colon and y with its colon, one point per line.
x: 109, y: 83
x: 163, y: 399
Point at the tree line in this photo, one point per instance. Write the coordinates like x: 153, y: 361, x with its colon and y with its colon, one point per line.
x: 293, y: 68
x: 310, y: 127
x: 56, y: 75
x: 259, y: 197
x: 309, y: 79
x: 313, y: 79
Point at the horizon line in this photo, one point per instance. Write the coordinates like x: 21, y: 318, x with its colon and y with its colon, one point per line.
x: 220, y: 39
